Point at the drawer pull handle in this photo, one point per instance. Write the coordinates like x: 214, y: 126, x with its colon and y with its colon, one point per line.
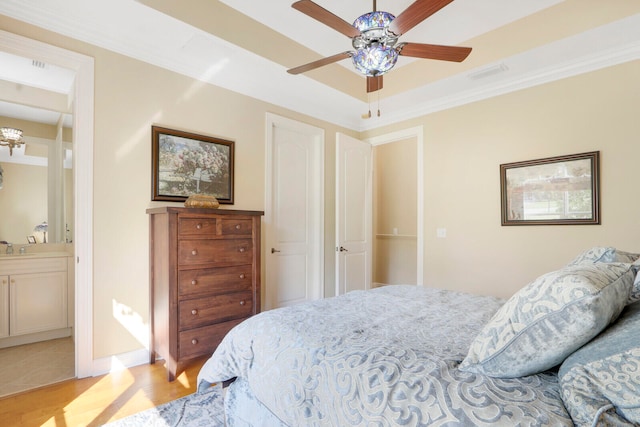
x: 194, y: 282
x: 194, y: 311
x: 198, y: 226
x: 242, y: 276
x: 242, y: 302
x: 237, y: 226
x: 194, y: 252
x: 241, y: 250
x: 194, y: 341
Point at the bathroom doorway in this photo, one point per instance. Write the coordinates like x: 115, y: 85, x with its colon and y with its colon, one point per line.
x: 77, y: 230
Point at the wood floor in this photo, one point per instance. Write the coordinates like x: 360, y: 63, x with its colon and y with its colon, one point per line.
x: 97, y: 400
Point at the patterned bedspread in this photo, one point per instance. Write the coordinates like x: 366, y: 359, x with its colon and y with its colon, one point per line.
x: 384, y: 357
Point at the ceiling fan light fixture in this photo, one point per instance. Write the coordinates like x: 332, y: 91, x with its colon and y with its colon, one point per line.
x: 375, y: 60
x: 377, y: 20
x: 374, y: 53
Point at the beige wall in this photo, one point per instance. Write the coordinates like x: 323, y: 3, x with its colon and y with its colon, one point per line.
x: 465, y: 146
x: 130, y: 97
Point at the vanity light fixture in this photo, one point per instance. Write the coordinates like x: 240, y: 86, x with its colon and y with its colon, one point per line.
x: 11, y: 137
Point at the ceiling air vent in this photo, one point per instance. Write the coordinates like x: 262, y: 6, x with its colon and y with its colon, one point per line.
x: 38, y: 64
x: 489, y: 71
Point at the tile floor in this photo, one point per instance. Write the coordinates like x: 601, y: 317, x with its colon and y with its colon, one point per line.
x: 34, y: 365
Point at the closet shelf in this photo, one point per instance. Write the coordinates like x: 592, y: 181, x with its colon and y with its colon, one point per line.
x: 396, y: 236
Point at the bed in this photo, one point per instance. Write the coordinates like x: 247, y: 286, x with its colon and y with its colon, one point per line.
x: 418, y: 356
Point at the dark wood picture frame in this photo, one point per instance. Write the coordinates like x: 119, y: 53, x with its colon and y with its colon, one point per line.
x: 185, y: 163
x: 562, y: 190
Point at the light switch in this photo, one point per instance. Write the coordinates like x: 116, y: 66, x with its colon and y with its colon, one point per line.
x: 441, y: 233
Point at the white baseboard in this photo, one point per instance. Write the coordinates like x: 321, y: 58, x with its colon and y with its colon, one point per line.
x: 119, y: 362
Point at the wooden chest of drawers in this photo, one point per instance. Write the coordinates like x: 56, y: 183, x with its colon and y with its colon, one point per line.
x: 205, y: 279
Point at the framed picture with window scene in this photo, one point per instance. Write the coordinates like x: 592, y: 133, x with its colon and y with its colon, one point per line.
x: 184, y: 164
x: 562, y: 190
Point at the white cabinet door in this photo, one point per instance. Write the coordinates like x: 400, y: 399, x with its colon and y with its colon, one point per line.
x: 38, y: 302
x: 4, y: 306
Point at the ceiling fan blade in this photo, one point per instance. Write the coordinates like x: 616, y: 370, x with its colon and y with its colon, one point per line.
x: 374, y: 83
x: 321, y: 14
x: 320, y: 62
x: 434, y: 51
x: 415, y: 14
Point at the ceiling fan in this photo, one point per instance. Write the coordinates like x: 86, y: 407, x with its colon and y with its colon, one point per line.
x: 374, y: 36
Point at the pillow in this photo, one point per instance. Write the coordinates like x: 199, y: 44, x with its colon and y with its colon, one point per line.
x: 635, y: 289
x: 544, y: 322
x: 596, y: 254
x: 622, y: 256
x: 600, y: 382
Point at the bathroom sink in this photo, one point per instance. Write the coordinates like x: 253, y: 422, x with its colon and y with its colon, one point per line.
x: 17, y: 255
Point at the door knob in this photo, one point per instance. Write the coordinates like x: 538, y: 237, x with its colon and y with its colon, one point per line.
x: 342, y: 249
x: 274, y: 250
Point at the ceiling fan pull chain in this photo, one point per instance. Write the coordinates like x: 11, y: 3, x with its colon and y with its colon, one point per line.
x: 367, y: 115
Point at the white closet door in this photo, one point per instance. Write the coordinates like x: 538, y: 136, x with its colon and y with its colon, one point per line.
x: 354, y: 187
x: 294, y: 217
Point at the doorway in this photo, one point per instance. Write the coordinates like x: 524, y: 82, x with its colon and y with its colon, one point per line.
x: 394, y: 213
x: 412, y: 134
x: 81, y: 98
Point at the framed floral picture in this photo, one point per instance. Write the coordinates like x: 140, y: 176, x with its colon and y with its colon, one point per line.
x: 185, y: 163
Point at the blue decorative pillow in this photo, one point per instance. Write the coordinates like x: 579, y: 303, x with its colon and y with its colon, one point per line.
x: 550, y: 318
x: 595, y: 254
x: 600, y: 383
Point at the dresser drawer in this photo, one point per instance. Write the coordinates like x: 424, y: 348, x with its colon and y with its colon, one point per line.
x: 192, y: 227
x: 198, y: 312
x: 201, y: 341
x: 235, y: 227
x: 216, y: 253
x: 210, y: 281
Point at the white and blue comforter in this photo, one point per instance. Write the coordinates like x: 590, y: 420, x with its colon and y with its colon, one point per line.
x: 384, y: 357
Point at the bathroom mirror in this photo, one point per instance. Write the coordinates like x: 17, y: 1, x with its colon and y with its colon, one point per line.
x: 36, y: 191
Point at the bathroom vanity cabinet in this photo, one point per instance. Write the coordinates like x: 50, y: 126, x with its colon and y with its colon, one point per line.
x: 33, y: 299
